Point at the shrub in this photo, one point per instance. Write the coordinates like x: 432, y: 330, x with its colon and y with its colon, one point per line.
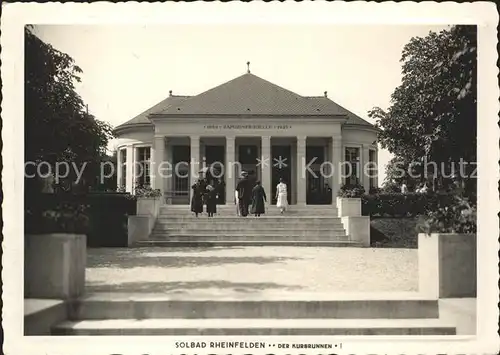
x: 402, y: 205
x: 103, y: 217
x: 108, y: 215
x: 375, y: 190
x: 66, y: 217
x: 458, y: 217
x: 351, y: 191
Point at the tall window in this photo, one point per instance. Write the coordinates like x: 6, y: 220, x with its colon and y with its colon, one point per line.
x: 123, y: 167
x: 372, y: 171
x: 144, y: 166
x: 181, y: 157
x: 351, y: 168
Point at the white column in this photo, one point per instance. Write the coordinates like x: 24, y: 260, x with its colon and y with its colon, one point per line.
x: 229, y: 170
x: 119, y: 167
x: 301, y: 173
x: 194, y: 166
x: 157, y: 152
x: 130, y: 169
x: 336, y: 154
x: 377, y: 168
x: 168, y: 168
x: 365, y: 158
x: 293, y: 163
x: 265, y: 165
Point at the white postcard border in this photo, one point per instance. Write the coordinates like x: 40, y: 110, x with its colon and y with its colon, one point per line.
x: 15, y: 16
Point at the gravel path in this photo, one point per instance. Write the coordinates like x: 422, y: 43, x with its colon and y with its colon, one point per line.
x: 251, y: 270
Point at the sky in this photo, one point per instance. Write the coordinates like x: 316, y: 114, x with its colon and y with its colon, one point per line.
x: 129, y: 68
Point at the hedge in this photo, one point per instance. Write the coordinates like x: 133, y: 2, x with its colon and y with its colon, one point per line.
x: 102, y: 216
x: 402, y: 205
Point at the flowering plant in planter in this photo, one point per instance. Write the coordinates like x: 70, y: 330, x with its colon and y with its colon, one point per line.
x: 458, y: 217
x: 147, y: 192
x: 65, y: 218
x: 351, y: 191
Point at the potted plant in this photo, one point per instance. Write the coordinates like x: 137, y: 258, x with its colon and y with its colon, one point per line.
x: 349, y: 200
x: 148, y: 200
x: 55, y: 251
x: 447, y: 250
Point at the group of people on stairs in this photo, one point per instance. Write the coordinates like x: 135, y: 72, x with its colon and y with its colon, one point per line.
x: 205, y: 193
x: 249, y: 197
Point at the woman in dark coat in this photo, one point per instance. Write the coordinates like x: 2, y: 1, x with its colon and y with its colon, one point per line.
x: 258, y: 199
x: 197, y: 199
x: 211, y: 199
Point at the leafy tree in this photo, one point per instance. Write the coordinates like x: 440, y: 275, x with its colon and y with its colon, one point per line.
x: 433, y: 112
x: 57, y: 124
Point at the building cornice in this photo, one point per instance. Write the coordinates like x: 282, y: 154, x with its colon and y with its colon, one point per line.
x: 203, y: 118
x: 358, y: 127
x: 144, y: 127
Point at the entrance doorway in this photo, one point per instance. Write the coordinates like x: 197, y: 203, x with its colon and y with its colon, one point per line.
x: 180, y: 184
x: 247, y: 157
x: 318, y: 192
x: 281, y: 167
x: 214, y: 161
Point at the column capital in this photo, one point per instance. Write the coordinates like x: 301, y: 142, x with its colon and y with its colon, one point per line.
x: 337, y: 142
x: 301, y: 141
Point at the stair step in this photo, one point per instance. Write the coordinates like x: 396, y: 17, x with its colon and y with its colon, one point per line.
x: 275, y: 214
x: 256, y: 327
x: 243, y: 232
x: 251, y: 219
x: 238, y: 243
x: 197, y: 237
x: 230, y: 228
x: 115, y: 306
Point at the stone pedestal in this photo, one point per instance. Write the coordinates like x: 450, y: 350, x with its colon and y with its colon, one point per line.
x: 447, y: 265
x: 141, y: 225
x: 139, y: 228
x: 54, y: 265
x: 148, y: 206
x: 358, y: 229
x: 349, y: 207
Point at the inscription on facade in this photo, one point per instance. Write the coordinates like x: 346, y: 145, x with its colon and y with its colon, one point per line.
x: 248, y: 126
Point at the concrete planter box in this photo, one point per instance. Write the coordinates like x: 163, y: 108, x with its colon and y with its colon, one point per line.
x: 139, y: 228
x: 54, y: 265
x: 447, y: 265
x: 148, y: 206
x: 141, y: 225
x: 358, y: 229
x: 348, y: 207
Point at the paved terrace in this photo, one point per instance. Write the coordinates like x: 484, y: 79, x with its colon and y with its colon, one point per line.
x: 251, y: 270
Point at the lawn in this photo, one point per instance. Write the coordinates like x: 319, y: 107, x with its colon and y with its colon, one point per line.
x: 393, y: 232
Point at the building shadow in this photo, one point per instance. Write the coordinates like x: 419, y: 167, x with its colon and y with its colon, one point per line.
x: 177, y: 261
x: 181, y: 287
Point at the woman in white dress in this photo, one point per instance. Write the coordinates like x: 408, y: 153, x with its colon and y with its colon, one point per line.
x: 281, y: 196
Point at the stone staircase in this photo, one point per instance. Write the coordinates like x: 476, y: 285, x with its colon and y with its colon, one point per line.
x: 139, y: 314
x: 299, y: 226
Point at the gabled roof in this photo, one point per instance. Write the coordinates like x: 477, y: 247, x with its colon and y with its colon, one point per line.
x: 247, y: 95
